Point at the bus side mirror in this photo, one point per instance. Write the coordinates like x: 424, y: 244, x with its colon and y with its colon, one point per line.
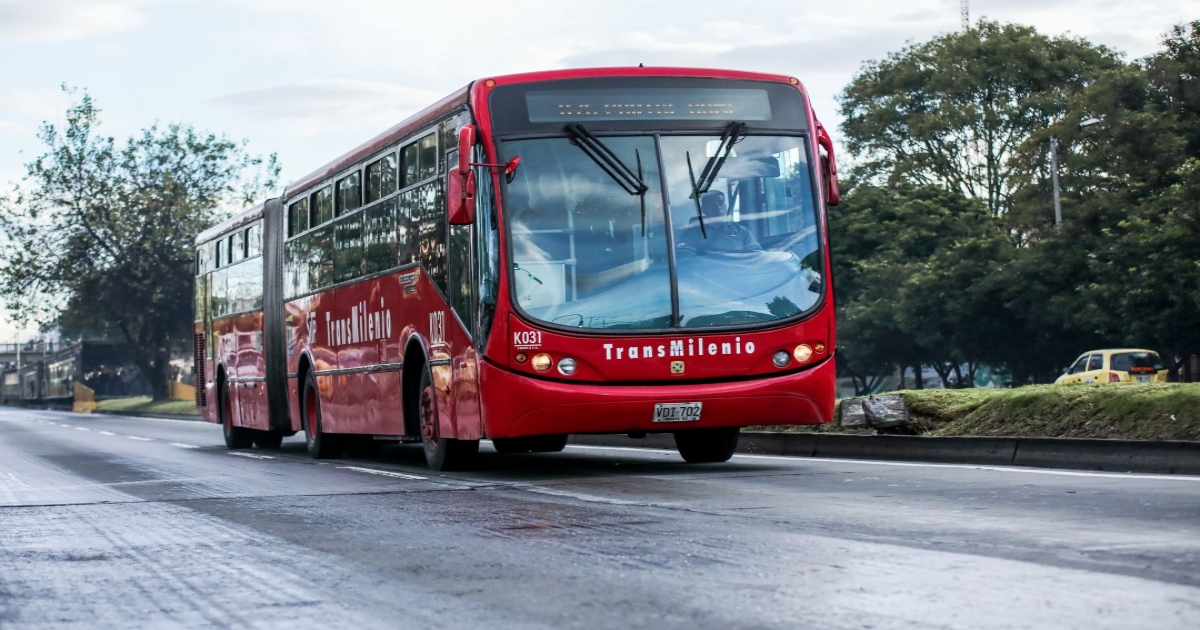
x: 833, y: 195
x: 460, y: 182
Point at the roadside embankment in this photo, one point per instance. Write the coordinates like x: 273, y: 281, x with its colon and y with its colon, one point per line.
x: 146, y: 406
x: 1153, y: 412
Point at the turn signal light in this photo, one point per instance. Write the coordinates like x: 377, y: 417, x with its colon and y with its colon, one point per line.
x: 819, y: 348
x: 802, y: 353
x: 541, y: 362
x: 521, y: 358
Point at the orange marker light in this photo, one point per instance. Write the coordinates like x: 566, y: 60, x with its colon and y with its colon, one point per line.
x: 541, y: 362
x: 489, y: 83
x: 819, y: 348
x: 793, y: 80
x: 521, y: 358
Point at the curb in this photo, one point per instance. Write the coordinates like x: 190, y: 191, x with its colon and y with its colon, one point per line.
x: 148, y: 414
x: 1074, y: 453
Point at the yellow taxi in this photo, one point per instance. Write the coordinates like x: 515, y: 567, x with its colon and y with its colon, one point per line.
x: 1123, y: 365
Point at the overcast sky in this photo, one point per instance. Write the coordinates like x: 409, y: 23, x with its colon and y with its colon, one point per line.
x: 309, y: 80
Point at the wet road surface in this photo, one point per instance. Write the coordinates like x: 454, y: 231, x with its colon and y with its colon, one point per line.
x: 123, y: 523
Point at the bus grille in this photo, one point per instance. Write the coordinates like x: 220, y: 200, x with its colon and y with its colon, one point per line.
x: 198, y: 372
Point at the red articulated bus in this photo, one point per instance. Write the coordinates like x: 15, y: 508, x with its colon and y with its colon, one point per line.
x: 616, y: 250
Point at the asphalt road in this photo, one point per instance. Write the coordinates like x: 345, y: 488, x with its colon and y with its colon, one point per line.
x: 125, y: 523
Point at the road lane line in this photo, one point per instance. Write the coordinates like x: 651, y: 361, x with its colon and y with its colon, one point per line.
x: 251, y: 455
x: 182, y: 445
x: 875, y: 462
x: 106, y: 433
x: 82, y: 429
x: 139, y: 438
x: 385, y: 473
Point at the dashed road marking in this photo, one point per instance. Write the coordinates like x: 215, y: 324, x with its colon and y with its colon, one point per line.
x: 106, y: 433
x: 182, y: 445
x: 251, y: 455
x: 385, y: 473
x: 82, y: 429
x: 139, y: 438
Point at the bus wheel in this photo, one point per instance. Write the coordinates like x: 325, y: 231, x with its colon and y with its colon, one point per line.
x: 235, y: 437
x: 531, y: 444
x: 441, y: 453
x: 320, y: 444
x: 268, y: 439
x: 706, y: 446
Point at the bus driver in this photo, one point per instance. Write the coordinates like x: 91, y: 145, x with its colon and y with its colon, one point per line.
x: 724, y: 235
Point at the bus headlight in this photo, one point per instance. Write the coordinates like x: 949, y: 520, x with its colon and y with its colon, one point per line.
x: 566, y: 366
x: 541, y: 362
x: 781, y: 358
x: 802, y: 353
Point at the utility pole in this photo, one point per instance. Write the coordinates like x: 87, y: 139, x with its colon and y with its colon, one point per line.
x: 964, y: 8
x: 1054, y: 178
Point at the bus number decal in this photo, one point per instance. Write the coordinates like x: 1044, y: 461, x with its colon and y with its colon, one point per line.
x: 437, y: 327
x: 527, y: 339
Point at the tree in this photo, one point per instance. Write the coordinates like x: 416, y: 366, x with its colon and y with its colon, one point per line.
x: 101, y: 236
x: 954, y: 111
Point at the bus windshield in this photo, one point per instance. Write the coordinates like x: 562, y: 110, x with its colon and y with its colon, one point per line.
x: 588, y: 252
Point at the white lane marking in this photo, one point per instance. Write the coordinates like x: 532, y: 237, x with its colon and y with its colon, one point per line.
x: 82, y: 429
x: 106, y: 433
x: 182, y: 445
x: 875, y: 462
x: 139, y: 438
x: 251, y: 455
x: 385, y: 473
x: 590, y: 498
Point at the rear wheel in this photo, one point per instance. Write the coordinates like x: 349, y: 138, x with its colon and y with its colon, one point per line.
x: 441, y: 453
x: 235, y: 437
x: 706, y: 446
x: 320, y: 444
x: 531, y: 444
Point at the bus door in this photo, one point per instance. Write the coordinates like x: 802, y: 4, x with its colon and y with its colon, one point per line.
x: 461, y: 260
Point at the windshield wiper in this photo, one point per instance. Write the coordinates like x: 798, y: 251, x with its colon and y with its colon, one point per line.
x: 612, y: 165
x: 733, y: 134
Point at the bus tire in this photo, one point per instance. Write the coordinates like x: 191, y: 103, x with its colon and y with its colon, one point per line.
x: 531, y: 444
x: 320, y: 444
x: 235, y: 437
x: 707, y: 446
x: 268, y: 439
x: 441, y: 453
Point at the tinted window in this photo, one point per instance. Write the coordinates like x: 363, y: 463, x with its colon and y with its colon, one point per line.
x: 410, y: 163
x: 1080, y: 365
x: 320, y: 257
x: 347, y: 248
x: 1096, y: 362
x: 428, y: 146
x: 297, y: 217
x: 1145, y: 360
x: 379, y: 237
x: 254, y: 240
x: 321, y: 207
x: 349, y: 194
x: 381, y: 178
x: 237, y: 247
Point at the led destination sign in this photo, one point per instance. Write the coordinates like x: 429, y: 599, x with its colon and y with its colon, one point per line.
x: 647, y: 104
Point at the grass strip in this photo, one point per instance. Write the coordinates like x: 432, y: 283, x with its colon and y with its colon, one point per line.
x: 145, y: 404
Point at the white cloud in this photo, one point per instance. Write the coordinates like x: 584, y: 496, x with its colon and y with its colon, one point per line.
x: 314, y: 107
x: 13, y: 129
x: 24, y: 21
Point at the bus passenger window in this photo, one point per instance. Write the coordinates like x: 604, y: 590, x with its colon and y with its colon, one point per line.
x: 381, y: 178
x: 237, y: 247
x: 321, y: 207
x: 297, y: 217
x: 408, y: 161
x: 254, y: 240
x: 428, y: 156
x: 349, y: 194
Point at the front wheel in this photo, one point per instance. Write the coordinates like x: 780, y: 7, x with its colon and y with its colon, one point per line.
x: 707, y: 446
x: 441, y: 453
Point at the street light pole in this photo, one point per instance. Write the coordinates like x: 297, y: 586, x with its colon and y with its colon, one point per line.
x: 1054, y: 177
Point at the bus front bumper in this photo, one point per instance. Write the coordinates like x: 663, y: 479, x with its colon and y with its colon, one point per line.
x: 516, y: 405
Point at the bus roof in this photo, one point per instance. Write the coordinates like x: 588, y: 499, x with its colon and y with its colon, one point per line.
x: 249, y: 215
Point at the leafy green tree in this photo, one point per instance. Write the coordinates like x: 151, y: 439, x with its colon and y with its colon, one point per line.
x: 956, y: 110
x: 101, y: 235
